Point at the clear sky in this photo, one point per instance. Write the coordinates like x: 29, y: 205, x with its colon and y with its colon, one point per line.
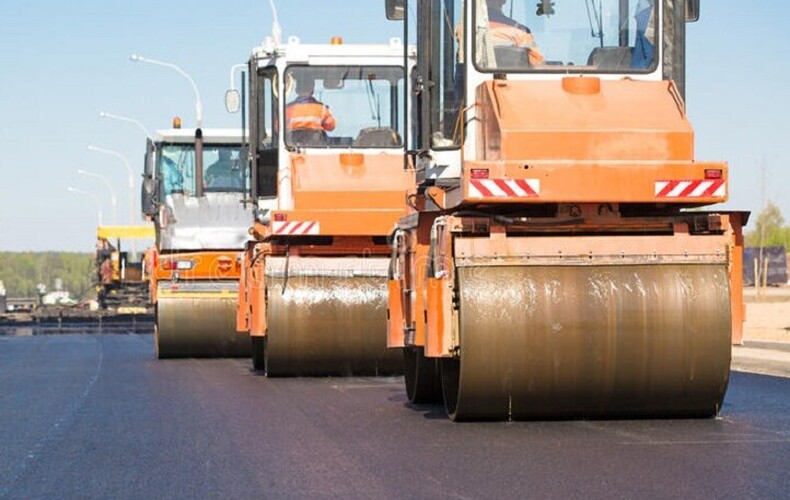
x: 61, y: 63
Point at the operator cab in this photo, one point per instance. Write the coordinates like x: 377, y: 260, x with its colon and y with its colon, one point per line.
x: 362, y: 102
x: 599, y: 36
x: 463, y: 44
x: 175, y: 167
x: 186, y: 217
x: 329, y: 99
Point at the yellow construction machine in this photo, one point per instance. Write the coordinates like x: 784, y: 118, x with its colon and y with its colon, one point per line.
x: 556, y: 262
x: 121, y: 277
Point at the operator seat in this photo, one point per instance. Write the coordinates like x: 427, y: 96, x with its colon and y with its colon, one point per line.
x: 381, y: 137
x: 307, y: 138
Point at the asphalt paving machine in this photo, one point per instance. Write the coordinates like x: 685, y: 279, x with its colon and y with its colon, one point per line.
x: 121, y: 278
x: 193, y: 190
x: 556, y: 262
x: 313, y: 295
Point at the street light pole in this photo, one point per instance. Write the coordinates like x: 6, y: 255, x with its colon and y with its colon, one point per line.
x: 92, y: 195
x: 103, y: 114
x: 131, y: 176
x: 198, y: 103
x: 113, y: 199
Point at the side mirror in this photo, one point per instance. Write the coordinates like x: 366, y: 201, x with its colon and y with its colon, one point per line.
x: 150, y: 195
x: 692, y: 11
x: 148, y: 162
x: 395, y: 9
x: 150, y: 188
x: 232, y: 101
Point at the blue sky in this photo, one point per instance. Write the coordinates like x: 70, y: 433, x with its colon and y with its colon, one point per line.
x: 61, y: 63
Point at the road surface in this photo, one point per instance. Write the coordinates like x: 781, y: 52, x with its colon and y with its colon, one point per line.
x: 96, y: 416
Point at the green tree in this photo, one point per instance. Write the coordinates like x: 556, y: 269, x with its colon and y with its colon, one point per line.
x: 22, y: 271
x: 769, y: 229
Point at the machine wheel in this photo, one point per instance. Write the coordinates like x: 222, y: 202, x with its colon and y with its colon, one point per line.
x: 623, y: 341
x: 422, y: 377
x: 333, y: 326
x: 198, y: 325
x: 156, y: 342
x: 450, y: 373
x: 259, y: 353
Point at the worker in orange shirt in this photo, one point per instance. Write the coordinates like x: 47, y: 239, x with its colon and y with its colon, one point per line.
x: 306, y: 112
x: 506, y: 31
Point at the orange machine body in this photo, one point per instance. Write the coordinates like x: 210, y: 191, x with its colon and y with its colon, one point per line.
x: 344, y: 194
x: 208, y: 265
x: 344, y: 204
x: 586, y: 150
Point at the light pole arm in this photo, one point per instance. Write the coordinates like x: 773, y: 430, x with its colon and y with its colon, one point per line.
x: 130, y: 120
x: 113, y: 199
x: 198, y: 103
x: 120, y: 157
x: 128, y: 170
x: 95, y: 199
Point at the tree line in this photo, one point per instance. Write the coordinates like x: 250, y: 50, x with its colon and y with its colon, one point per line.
x: 769, y: 229
x: 21, y: 272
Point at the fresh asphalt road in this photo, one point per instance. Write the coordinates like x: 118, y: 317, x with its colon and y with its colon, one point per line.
x: 96, y: 416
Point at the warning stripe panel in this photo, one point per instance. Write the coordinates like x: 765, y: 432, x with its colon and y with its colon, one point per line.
x: 296, y: 228
x: 504, y: 188
x: 691, y: 188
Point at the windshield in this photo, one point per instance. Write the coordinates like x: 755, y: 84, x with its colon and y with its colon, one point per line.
x: 617, y: 36
x: 343, y: 106
x: 222, y: 168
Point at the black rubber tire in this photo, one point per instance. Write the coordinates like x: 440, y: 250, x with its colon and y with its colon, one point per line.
x: 422, y: 377
x: 259, y: 353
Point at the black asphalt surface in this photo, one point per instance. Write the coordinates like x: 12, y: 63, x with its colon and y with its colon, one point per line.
x: 96, y: 416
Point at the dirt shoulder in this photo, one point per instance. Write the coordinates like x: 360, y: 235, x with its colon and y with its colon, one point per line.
x: 766, y: 333
x: 767, y: 316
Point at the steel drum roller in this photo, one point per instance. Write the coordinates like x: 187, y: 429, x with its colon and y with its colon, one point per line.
x: 198, y: 324
x: 328, y: 317
x: 590, y: 341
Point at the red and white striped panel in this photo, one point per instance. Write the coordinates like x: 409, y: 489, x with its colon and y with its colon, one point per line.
x: 504, y: 188
x: 296, y: 228
x: 691, y: 189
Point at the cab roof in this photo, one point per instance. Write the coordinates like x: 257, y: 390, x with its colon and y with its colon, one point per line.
x: 210, y: 135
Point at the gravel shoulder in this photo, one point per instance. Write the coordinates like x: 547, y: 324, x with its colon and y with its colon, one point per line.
x: 766, y: 333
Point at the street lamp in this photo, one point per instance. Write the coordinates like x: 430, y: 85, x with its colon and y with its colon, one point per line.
x: 113, y: 199
x: 103, y: 114
x: 129, y: 170
x: 198, y: 104
x: 95, y: 199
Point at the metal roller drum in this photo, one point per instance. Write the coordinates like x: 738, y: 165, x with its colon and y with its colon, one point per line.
x: 617, y: 341
x: 327, y: 316
x: 199, y: 320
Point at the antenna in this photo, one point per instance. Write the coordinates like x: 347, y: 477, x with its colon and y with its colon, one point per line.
x: 277, y: 33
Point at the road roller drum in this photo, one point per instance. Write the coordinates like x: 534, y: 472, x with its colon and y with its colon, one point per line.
x: 198, y: 320
x: 538, y: 342
x: 327, y: 316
